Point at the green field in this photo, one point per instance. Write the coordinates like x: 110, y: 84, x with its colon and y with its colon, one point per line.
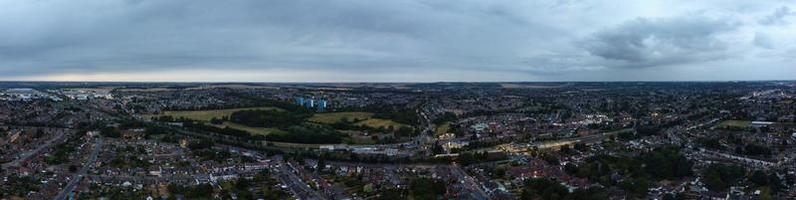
x: 252, y: 130
x: 442, y: 129
x: 735, y: 123
x: 331, y: 118
x: 206, y: 115
x: 362, y: 118
x: 375, y: 123
x: 366, y: 117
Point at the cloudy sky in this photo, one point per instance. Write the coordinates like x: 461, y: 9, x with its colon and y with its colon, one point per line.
x: 400, y: 40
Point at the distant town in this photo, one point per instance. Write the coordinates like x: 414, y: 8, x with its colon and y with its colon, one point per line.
x: 340, y: 141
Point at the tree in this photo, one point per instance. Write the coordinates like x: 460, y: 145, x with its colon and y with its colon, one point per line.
x: 637, y: 187
x: 321, y: 163
x: 542, y: 188
x: 216, y: 121
x: 550, y: 159
x: 719, y: 177
x: 268, y: 118
x: 110, y: 132
x: 426, y: 188
x: 437, y: 148
x: 571, y: 168
x: 404, y: 131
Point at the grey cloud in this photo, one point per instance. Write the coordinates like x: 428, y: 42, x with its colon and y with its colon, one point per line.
x: 298, y: 34
x: 555, y: 64
x: 778, y: 17
x: 528, y: 38
x: 764, y: 41
x: 644, y: 42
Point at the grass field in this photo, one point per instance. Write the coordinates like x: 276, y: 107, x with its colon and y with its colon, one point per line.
x: 735, y: 123
x: 206, y: 115
x: 375, y: 123
x: 252, y: 130
x: 330, y: 118
x: 442, y: 129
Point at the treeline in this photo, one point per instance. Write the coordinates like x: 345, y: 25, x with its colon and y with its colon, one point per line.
x: 752, y: 149
x: 268, y: 102
x: 445, y: 117
x: 198, y: 126
x: 269, y: 118
x: 201, y: 127
x: 397, y: 113
x: 542, y: 188
x: 467, y: 158
x: 347, y: 124
x: 425, y: 188
x: 200, y: 191
x: 402, y: 116
x: 641, y: 170
x: 741, y: 147
x: 294, y: 123
x: 308, y: 133
x: 720, y: 177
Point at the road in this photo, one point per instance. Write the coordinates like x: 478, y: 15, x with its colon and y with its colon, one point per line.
x: 70, y: 187
x: 474, y: 189
x: 22, y: 157
x: 286, y: 175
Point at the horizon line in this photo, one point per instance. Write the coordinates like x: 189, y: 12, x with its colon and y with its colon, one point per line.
x: 401, y: 82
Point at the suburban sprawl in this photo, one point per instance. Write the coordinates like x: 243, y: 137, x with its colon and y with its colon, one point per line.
x: 565, y: 140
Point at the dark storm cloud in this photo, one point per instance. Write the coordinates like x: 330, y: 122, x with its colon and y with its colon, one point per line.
x: 644, y: 42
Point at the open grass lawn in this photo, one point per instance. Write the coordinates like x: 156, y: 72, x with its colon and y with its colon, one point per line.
x: 735, y: 123
x: 376, y: 123
x: 442, y: 129
x: 206, y: 115
x: 330, y: 118
x: 252, y: 130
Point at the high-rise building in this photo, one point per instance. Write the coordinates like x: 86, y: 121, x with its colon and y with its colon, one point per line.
x: 310, y: 103
x: 321, y: 105
x: 300, y: 101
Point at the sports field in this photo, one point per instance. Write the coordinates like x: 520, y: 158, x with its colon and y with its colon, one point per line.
x: 206, y: 115
x: 735, y: 123
x: 443, y: 128
x: 252, y: 130
x: 366, y: 117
